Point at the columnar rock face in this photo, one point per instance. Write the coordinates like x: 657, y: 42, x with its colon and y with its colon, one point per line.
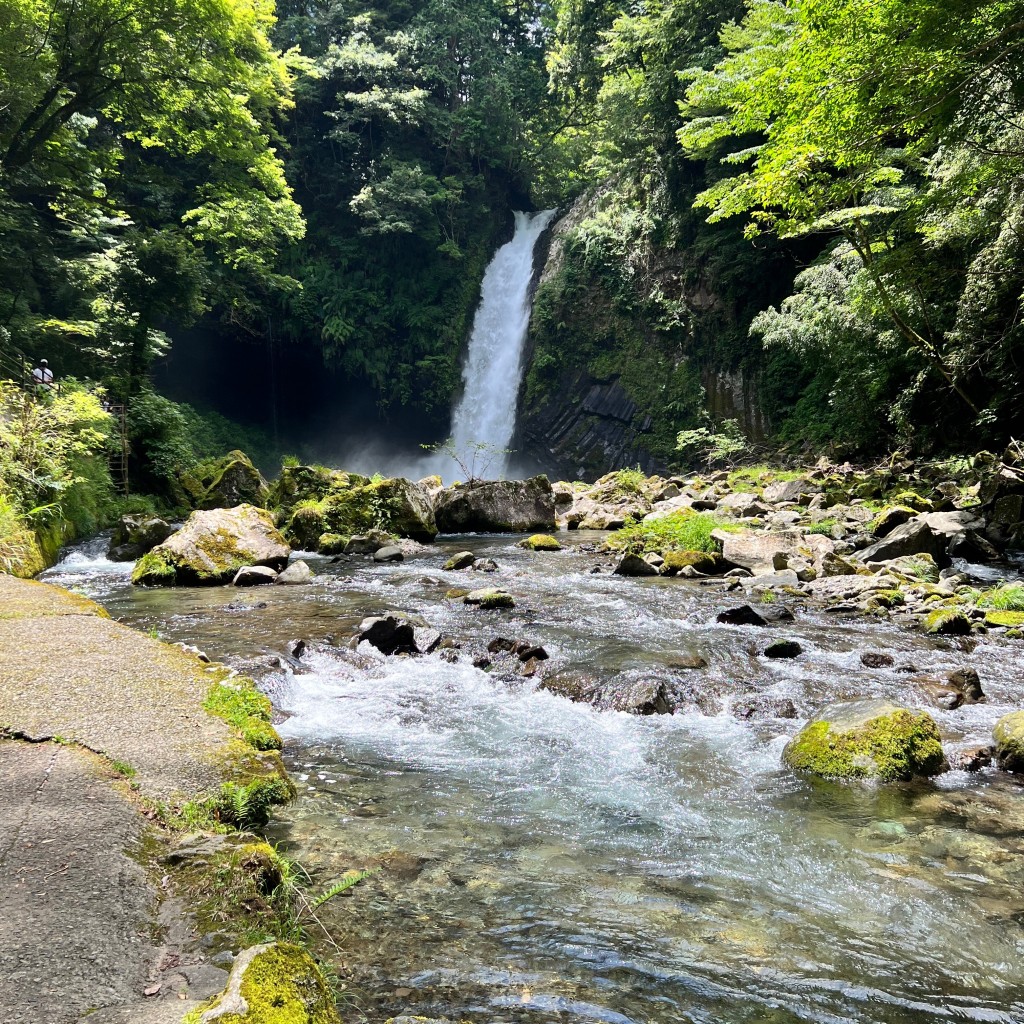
x: 496, y: 506
x: 212, y: 546
x: 868, y: 739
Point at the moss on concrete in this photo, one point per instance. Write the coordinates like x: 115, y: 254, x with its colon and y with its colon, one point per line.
x: 892, y: 744
x: 277, y: 983
x: 242, y: 706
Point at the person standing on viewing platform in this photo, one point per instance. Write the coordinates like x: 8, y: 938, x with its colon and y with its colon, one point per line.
x: 42, y: 375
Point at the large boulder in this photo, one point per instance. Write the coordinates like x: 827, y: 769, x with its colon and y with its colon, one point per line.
x: 270, y: 983
x: 225, y: 483
x: 765, y: 551
x: 135, y: 535
x: 789, y: 490
x: 211, y: 547
x: 868, y: 739
x: 408, y: 509
x: 496, y: 506
x: 914, y: 537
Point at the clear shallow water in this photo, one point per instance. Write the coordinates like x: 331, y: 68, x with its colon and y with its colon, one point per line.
x: 544, y: 862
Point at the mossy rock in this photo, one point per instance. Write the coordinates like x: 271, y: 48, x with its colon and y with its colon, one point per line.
x: 706, y: 562
x: 211, y: 547
x: 225, y: 483
x: 947, y: 622
x: 305, y: 527
x: 1008, y: 736
x: 540, y: 542
x: 276, y: 983
x: 332, y: 543
x: 888, y: 519
x: 1007, y: 620
x: 490, y: 598
x: 868, y: 739
x: 911, y: 499
x: 456, y: 594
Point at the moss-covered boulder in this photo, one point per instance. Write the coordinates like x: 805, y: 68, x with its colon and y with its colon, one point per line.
x: 706, y: 562
x: 888, y: 519
x: 305, y: 527
x: 332, y: 543
x: 490, y: 597
x: 540, y: 542
x: 275, y: 983
x: 225, y: 483
x: 298, y: 484
x: 1008, y: 736
x: 211, y: 547
x: 947, y: 622
x: 496, y: 506
x: 868, y: 739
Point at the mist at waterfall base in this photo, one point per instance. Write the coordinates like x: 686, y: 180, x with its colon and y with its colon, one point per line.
x: 484, y: 419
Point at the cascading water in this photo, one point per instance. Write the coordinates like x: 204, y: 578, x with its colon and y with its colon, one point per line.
x: 485, y: 419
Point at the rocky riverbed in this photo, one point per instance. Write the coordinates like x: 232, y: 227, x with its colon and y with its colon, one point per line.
x: 577, y: 801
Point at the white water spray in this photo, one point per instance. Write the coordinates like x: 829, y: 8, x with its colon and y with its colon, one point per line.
x: 485, y: 418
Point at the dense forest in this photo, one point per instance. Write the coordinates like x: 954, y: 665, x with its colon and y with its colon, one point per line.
x: 819, y: 199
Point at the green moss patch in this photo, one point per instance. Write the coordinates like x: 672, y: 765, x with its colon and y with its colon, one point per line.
x: 244, y: 708
x: 1007, y: 620
x: 278, y: 984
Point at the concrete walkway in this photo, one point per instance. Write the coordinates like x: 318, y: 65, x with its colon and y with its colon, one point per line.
x: 84, y: 932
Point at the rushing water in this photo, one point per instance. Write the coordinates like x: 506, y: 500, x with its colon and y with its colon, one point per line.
x: 485, y: 418
x: 543, y: 862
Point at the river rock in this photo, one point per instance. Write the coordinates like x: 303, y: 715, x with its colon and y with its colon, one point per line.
x: 225, y: 483
x: 877, y: 659
x: 762, y: 705
x: 485, y: 565
x: 1008, y: 736
x: 947, y: 622
x: 968, y: 682
x: 789, y: 490
x: 835, y: 565
x: 270, y: 981
x: 490, y: 597
x: 914, y: 537
x: 295, y: 575
x: 368, y: 544
x: 540, y: 542
x: 390, y: 634
x: 135, y: 535
x: 758, y: 550
x: 254, y: 576
x: 634, y: 565
x: 496, y: 506
x: 460, y: 560
x: 868, y: 739
x: 391, y: 553
x: 783, y: 649
x: 211, y: 547
x: 645, y: 697
x: 940, y: 692
x: 744, y: 615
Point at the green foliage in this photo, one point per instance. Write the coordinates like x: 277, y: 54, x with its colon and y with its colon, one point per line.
x: 680, y: 531
x: 712, y: 446
x: 54, y: 481
x: 139, y: 174
x: 1008, y: 598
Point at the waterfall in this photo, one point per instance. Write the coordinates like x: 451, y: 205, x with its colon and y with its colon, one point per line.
x: 485, y: 418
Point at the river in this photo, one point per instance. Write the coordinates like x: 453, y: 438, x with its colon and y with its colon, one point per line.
x: 544, y: 862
